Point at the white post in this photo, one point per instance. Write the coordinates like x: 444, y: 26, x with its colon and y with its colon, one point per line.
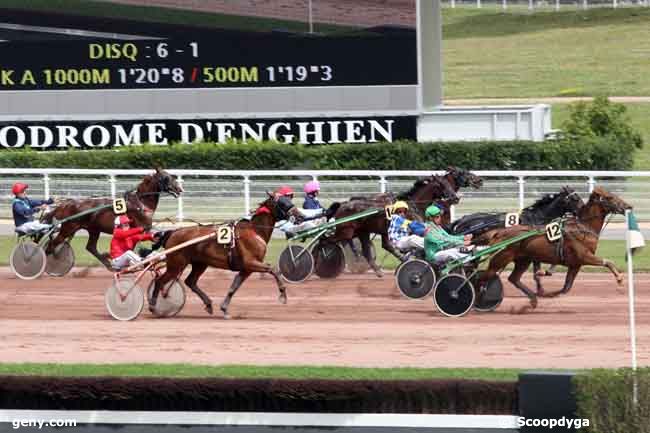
x: 630, y: 287
x: 247, y: 195
x: 521, y: 183
x: 614, y: 4
x: 478, y: 4
x: 505, y: 4
x: 530, y: 5
x: 111, y: 181
x: 46, y: 185
x: 382, y: 184
x: 591, y: 183
x: 557, y: 5
x: 311, y: 21
x: 179, y: 200
x: 452, y: 212
x: 453, y: 4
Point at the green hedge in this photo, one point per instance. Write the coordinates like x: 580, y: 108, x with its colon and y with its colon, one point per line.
x: 605, y: 399
x: 568, y: 153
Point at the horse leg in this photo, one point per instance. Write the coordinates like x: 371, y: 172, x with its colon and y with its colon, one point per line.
x: 191, y: 282
x: 388, y: 246
x: 568, y: 281
x: 171, y: 273
x: 587, y: 258
x: 91, y: 247
x: 521, y: 265
x: 236, y: 283
x: 66, y: 231
x: 367, y: 253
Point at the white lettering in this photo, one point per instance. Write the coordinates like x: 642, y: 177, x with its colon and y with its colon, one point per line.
x: 248, y: 131
x: 304, y: 132
x: 35, y: 135
x: 353, y: 131
x: 273, y: 132
x: 224, y: 131
x: 155, y: 134
x: 197, y: 132
x: 334, y: 131
x: 19, y: 139
x: 386, y: 133
x: 105, y: 136
x: 67, y: 136
x: 124, y: 139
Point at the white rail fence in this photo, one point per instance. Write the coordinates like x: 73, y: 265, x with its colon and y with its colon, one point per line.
x: 217, y: 195
x: 543, y: 5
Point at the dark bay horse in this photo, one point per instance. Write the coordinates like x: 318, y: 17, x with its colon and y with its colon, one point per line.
x: 459, y: 178
x: 141, y: 204
x: 423, y: 192
x: 576, y: 247
x: 246, y: 256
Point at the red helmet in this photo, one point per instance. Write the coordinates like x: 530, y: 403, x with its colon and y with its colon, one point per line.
x: 122, y: 219
x: 285, y: 190
x: 19, y: 188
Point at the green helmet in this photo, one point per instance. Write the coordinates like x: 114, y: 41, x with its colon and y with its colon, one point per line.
x: 432, y: 211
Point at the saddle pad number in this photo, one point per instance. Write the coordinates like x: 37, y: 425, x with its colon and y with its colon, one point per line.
x: 224, y: 235
x: 389, y: 211
x: 553, y: 231
x: 512, y: 219
x: 119, y: 206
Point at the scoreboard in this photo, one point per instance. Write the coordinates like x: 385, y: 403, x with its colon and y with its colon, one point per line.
x: 227, y: 61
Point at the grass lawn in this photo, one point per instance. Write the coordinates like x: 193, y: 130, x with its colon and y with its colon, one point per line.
x: 253, y: 372
x: 639, y: 115
x: 611, y: 249
x: 488, y: 53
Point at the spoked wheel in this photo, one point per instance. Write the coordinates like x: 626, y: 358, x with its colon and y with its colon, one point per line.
x: 454, y: 295
x: 490, y: 295
x: 329, y: 260
x: 60, y: 261
x: 357, y: 263
x: 172, y: 304
x: 415, y: 279
x: 296, y: 264
x: 124, y: 299
x: 27, y: 260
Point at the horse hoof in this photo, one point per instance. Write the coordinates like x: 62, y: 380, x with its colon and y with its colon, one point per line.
x: 208, y: 308
x: 379, y: 273
x: 283, y: 299
x: 533, y: 303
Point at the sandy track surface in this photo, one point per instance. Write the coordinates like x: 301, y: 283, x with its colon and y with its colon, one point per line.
x: 352, y: 321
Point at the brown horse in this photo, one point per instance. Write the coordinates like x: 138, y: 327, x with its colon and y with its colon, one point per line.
x: 459, y: 178
x: 141, y: 204
x: 246, y: 256
x: 576, y: 247
x: 424, y: 192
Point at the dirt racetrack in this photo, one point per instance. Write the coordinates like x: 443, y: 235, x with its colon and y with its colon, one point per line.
x: 352, y: 321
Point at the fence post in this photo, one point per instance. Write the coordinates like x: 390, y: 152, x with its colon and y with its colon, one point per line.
x: 311, y: 23
x: 382, y: 184
x: 505, y: 4
x: 521, y: 183
x: 557, y: 5
x: 614, y: 4
x: 585, y: 4
x: 591, y: 183
x: 453, y: 4
x: 112, y: 182
x: 452, y: 212
x: 530, y: 5
x: 247, y: 195
x: 179, y: 200
x: 46, y: 186
x: 478, y: 4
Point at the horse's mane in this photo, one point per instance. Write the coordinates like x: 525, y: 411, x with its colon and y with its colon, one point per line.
x: 416, y: 187
x: 543, y: 201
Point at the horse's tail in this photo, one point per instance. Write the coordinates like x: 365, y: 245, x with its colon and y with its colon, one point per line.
x: 162, y: 240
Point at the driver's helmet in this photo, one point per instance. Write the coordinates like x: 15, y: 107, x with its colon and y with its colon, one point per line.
x: 285, y: 191
x: 400, y: 205
x: 312, y: 187
x: 432, y: 211
x: 19, y: 188
x: 122, y: 219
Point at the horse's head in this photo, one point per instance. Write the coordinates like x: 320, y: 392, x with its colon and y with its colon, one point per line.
x: 141, y: 215
x: 609, y: 202
x: 165, y: 182
x: 442, y: 191
x: 570, y: 201
x: 464, y: 178
x: 280, y: 207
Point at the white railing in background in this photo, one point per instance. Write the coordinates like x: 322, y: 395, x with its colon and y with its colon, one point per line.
x: 543, y: 5
x: 214, y: 195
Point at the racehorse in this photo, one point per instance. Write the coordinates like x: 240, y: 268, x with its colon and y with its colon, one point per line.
x: 459, y: 178
x: 576, y: 247
x: 423, y: 192
x: 246, y: 255
x: 141, y: 204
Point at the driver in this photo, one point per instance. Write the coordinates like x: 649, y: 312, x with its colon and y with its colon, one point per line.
x: 124, y: 240
x: 403, y: 233
x: 440, y: 246
x: 24, y: 208
x: 310, y: 216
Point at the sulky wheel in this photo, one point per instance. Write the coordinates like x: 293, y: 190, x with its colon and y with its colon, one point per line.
x: 296, y: 264
x: 329, y: 260
x: 454, y: 295
x: 167, y: 306
x: 60, y: 261
x: 27, y: 260
x: 490, y: 295
x: 124, y: 299
x: 357, y: 263
x: 415, y: 279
